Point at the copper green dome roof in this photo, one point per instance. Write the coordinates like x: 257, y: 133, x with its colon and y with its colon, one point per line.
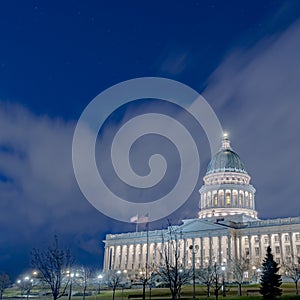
x: 226, y: 160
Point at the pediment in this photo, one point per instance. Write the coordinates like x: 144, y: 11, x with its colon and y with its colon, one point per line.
x: 198, y: 225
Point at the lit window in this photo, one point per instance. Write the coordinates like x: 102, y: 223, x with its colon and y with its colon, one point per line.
x: 221, y: 197
x: 228, y: 197
x: 246, y: 199
x: 215, y: 199
x: 235, y: 197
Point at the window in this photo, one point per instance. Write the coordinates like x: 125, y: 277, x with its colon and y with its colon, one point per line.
x: 266, y: 240
x: 288, y: 250
x: 286, y: 238
x: 297, y: 237
x: 221, y: 197
x: 276, y: 238
x: 215, y: 199
x: 298, y: 249
x: 277, y: 259
x: 256, y: 240
x: 208, y: 198
x: 247, y: 251
x: 246, y: 199
x: 256, y: 251
x: 241, y: 198
x: 251, y: 202
x: 288, y: 259
x: 228, y: 195
x: 235, y: 197
x: 277, y: 249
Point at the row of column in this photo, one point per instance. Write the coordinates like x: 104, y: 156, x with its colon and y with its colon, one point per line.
x: 220, y: 249
x: 131, y: 257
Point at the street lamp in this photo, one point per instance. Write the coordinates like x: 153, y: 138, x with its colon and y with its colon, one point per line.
x: 194, y: 250
x: 100, y: 278
x: 71, y: 284
x: 223, y: 282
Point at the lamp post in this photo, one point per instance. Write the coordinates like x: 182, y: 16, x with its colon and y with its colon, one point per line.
x: 194, y: 250
x: 223, y: 282
x: 100, y: 278
x: 71, y: 284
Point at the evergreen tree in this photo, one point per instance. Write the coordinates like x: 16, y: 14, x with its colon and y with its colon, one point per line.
x: 270, y: 281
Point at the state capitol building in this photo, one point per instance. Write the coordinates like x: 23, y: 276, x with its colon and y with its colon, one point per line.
x: 227, y: 227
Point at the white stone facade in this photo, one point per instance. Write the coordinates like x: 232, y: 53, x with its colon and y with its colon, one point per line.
x: 227, y: 227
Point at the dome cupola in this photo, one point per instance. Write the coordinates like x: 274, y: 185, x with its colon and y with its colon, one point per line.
x: 227, y: 189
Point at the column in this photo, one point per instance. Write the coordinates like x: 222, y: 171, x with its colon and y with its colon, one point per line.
x: 270, y: 240
x: 281, y: 247
x: 219, y: 249
x: 114, y: 258
x: 210, y: 250
x: 140, y: 265
x: 292, y: 246
x: 127, y: 256
x: 240, y: 248
x: 184, y: 252
x: 121, y: 256
x: 229, y: 247
x: 261, y: 247
x: 106, y: 252
x: 250, y: 247
x: 234, y: 255
x: 133, y: 256
x: 201, y: 252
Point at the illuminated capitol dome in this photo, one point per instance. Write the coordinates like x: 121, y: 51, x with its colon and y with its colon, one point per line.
x: 227, y: 189
x: 226, y: 229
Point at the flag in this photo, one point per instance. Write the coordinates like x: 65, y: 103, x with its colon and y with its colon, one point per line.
x: 144, y: 218
x: 134, y: 219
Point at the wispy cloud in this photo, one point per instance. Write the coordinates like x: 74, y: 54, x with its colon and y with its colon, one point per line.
x: 256, y: 92
x: 38, y: 191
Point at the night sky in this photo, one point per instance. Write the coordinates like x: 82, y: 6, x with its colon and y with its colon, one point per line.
x: 56, y: 56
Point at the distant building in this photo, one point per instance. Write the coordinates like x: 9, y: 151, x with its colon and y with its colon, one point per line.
x: 227, y: 227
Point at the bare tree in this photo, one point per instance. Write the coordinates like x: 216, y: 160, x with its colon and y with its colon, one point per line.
x: 206, y: 277
x: 171, y: 270
x: 239, y: 267
x: 26, y: 285
x: 53, y: 264
x: 83, y: 279
x: 292, y: 270
x: 114, y: 280
x: 4, y: 283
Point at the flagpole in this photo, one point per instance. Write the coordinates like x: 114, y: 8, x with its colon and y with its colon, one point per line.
x: 147, y: 253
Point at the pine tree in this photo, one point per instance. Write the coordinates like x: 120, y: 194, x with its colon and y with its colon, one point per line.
x: 270, y: 281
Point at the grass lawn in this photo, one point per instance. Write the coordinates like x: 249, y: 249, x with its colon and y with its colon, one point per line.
x: 164, y: 293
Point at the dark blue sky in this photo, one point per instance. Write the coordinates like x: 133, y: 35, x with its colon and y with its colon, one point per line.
x: 56, y: 56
